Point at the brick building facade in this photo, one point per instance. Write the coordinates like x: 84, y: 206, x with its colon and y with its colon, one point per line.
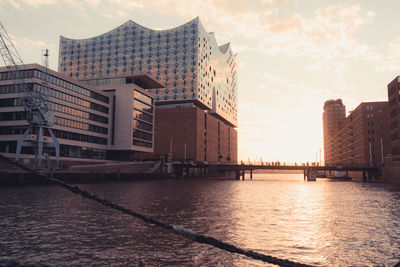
x: 362, y: 138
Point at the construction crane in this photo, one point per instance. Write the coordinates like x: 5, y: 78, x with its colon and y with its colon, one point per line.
x: 35, y: 103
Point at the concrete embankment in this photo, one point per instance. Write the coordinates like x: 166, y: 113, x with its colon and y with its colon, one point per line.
x: 107, y: 172
x: 16, y: 179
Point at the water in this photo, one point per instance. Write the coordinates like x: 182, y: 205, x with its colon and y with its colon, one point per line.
x: 321, y: 223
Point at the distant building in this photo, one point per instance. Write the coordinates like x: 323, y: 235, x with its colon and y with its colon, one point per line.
x: 198, y: 75
x: 394, y: 116
x: 392, y: 163
x: 332, y: 119
x: 362, y: 138
x: 88, y: 121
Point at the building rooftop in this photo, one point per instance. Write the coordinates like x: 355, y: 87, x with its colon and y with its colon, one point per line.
x: 332, y: 102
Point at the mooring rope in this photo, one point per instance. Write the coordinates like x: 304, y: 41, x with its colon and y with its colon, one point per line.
x: 177, y: 230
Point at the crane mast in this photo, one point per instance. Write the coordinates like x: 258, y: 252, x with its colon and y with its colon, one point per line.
x: 35, y: 103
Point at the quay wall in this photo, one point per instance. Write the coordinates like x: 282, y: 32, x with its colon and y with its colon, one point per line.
x: 19, y: 178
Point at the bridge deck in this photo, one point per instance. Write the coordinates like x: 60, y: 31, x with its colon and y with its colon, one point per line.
x: 227, y: 167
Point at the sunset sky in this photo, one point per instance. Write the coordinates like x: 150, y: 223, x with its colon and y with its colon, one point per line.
x: 292, y: 55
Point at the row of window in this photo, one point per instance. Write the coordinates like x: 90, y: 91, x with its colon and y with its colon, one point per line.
x: 125, y: 45
x: 142, y: 97
x: 116, y: 69
x: 70, y: 98
x: 21, y: 115
x: 142, y: 116
x: 78, y: 113
x: 18, y: 130
x: 13, y: 116
x: 143, y: 107
x: 175, y: 97
x: 142, y: 135
x: 80, y: 125
x: 65, y: 150
x: 54, y: 80
x: 141, y: 143
x: 10, y: 102
x: 141, y: 53
x: 7, y: 89
x: 141, y: 125
x: 164, y: 65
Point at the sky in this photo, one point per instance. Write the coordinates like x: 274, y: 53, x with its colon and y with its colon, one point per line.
x: 293, y: 55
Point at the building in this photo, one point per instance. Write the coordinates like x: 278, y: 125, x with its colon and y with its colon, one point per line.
x: 360, y: 139
x: 198, y: 75
x: 394, y: 115
x: 133, y: 114
x: 332, y: 118
x: 392, y: 162
x: 86, y: 120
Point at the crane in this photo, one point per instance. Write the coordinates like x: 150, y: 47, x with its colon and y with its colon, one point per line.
x: 35, y: 103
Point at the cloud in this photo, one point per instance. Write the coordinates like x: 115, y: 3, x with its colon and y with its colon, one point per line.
x: 390, y: 60
x: 338, y: 68
x: 329, y: 33
x: 14, y: 4
x: 37, y: 3
x: 26, y: 42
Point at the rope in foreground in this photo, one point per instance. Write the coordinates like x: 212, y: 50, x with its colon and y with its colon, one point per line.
x: 177, y: 230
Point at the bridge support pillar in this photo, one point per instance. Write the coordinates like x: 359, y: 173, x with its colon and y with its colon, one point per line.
x: 310, y: 175
x: 243, y: 174
x: 237, y: 174
x: 251, y: 174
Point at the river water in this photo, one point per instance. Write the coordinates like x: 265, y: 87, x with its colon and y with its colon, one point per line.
x: 323, y: 223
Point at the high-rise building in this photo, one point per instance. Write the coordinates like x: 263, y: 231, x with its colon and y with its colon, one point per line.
x: 332, y: 118
x: 360, y: 139
x: 197, y: 73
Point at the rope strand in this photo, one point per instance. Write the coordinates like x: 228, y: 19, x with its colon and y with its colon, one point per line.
x: 177, y: 230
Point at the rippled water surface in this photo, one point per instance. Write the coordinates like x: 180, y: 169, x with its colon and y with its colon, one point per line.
x: 321, y: 223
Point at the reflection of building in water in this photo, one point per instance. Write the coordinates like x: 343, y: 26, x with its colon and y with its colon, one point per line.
x: 361, y: 138
x: 199, y: 76
x: 86, y: 118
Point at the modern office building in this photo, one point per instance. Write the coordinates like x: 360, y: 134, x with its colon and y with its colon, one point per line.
x: 332, y: 118
x: 198, y: 75
x: 133, y: 114
x: 360, y: 139
x: 86, y: 120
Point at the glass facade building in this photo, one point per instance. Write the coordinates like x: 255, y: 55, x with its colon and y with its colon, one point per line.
x: 186, y: 60
x: 84, y: 116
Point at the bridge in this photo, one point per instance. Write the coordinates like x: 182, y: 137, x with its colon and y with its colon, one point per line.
x: 238, y: 171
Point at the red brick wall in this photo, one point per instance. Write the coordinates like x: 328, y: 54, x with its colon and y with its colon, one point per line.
x: 178, y: 126
x: 187, y: 125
